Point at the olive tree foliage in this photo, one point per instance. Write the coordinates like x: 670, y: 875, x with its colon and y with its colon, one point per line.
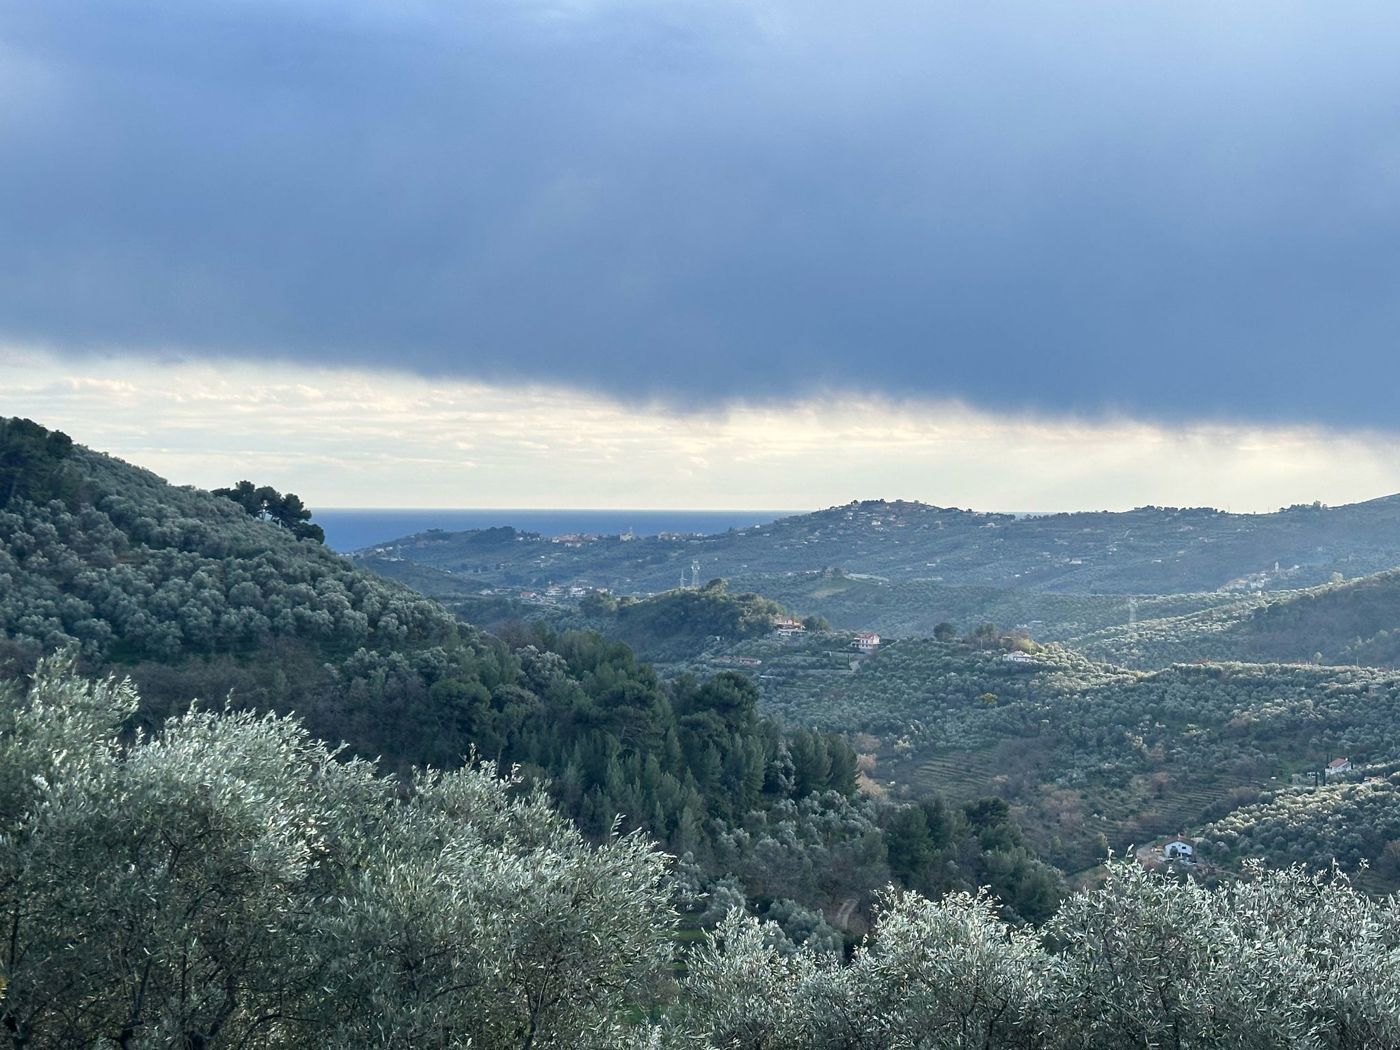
x: 1347, y: 824
x: 945, y: 974
x: 474, y: 920
x: 230, y: 882
x: 1283, y: 959
x: 127, y: 567
x: 742, y: 991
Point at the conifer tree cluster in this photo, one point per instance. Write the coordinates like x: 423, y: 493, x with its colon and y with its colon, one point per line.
x: 267, y: 504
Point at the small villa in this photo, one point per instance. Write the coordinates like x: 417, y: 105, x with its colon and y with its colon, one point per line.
x: 1339, y: 765
x: 1019, y: 658
x: 866, y: 641
x: 1180, y: 850
x: 787, y: 627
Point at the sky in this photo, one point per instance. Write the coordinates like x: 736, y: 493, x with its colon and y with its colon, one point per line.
x: 709, y: 252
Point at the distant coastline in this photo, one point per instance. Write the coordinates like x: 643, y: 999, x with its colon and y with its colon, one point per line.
x: 351, y: 528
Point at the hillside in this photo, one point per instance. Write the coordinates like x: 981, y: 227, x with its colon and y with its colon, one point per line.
x: 1349, y: 822
x: 673, y: 625
x: 1150, y: 550
x: 1081, y: 748
x: 1354, y: 622
x: 914, y: 608
x: 192, y: 597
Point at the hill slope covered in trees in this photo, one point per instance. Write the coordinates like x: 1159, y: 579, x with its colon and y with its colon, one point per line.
x: 1351, y: 622
x: 190, y: 595
x: 1082, y: 748
x: 1151, y: 550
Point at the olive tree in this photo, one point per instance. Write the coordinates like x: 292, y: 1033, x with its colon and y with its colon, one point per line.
x: 932, y: 974
x: 1280, y: 959
x: 231, y: 882
x: 488, y: 917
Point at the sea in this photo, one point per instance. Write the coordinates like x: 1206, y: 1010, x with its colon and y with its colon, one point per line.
x: 352, y: 528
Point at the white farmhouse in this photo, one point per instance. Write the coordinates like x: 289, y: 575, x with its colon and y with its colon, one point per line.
x: 1180, y: 849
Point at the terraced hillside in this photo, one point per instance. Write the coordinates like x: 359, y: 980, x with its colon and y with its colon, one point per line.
x: 914, y: 608
x: 1084, y: 749
x: 1093, y: 754
x: 1352, y: 622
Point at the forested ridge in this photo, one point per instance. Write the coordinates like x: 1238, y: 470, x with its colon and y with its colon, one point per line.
x: 667, y: 629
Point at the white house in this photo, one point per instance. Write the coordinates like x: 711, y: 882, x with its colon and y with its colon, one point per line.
x: 867, y: 641
x: 1180, y: 849
x: 1339, y: 765
x: 1019, y: 657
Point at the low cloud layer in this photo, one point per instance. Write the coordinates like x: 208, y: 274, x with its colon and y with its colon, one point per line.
x: 358, y: 438
x: 1183, y: 211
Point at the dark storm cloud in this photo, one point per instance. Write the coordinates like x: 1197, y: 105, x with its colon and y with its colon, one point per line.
x: 1178, y: 210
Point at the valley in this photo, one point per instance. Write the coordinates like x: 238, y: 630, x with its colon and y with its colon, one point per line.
x: 1105, y: 719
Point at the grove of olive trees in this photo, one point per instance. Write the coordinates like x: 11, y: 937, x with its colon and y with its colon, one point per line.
x: 230, y: 882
